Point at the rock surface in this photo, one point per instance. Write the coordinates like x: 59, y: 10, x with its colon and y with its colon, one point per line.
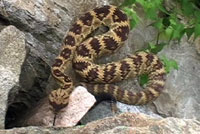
x: 12, y: 55
x: 197, y: 44
x: 45, y: 21
x: 126, y: 123
x: 80, y: 102
x: 181, y: 97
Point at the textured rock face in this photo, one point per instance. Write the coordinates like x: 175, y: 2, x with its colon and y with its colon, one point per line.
x: 7, y: 81
x: 12, y: 49
x: 181, y: 98
x: 126, y: 123
x: 12, y: 55
x: 197, y: 44
x: 44, y: 23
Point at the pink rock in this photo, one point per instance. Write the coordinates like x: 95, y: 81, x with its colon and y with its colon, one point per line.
x: 80, y: 102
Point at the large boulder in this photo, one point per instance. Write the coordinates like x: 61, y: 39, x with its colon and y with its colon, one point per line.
x: 12, y: 55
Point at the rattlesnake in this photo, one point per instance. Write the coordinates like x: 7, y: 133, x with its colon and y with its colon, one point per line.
x: 81, y: 52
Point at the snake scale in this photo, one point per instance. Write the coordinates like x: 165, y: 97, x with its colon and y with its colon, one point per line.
x: 81, y: 53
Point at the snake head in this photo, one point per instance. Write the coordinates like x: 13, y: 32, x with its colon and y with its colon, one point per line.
x: 58, y: 99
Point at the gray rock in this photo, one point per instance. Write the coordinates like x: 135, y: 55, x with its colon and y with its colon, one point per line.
x: 181, y: 97
x: 197, y: 45
x: 12, y: 49
x: 12, y: 55
x: 126, y: 123
x: 45, y: 22
x: 100, y: 111
x: 138, y: 109
x: 7, y: 81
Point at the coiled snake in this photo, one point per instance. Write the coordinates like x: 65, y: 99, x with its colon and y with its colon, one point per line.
x: 81, y: 52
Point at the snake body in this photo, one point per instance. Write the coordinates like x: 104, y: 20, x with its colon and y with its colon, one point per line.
x: 82, y: 52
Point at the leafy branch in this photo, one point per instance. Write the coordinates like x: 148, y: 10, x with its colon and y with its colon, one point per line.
x: 182, y: 19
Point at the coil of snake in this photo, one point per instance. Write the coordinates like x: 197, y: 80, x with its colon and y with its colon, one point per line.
x: 82, y: 52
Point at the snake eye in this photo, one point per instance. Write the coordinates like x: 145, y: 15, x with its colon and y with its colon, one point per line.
x: 58, y: 99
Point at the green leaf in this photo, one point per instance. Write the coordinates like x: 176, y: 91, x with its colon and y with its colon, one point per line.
x: 132, y: 23
x: 197, y: 15
x: 169, y: 32
x: 197, y: 30
x: 169, y: 64
x: 163, y: 10
x: 134, y: 18
x: 143, y: 79
x: 178, y: 31
x: 151, y: 13
x: 142, y: 2
x: 189, y: 32
x: 127, y: 3
x: 159, y: 24
x: 151, y: 7
x: 155, y: 48
x: 173, y: 20
x: 187, y: 7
